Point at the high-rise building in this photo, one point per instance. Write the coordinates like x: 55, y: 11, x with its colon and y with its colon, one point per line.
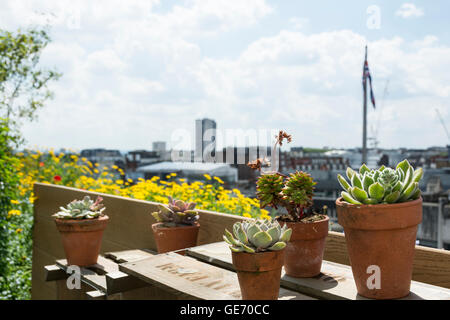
x: 205, y: 140
x: 159, y: 146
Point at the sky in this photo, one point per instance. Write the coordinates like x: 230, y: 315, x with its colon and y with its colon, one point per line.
x: 135, y: 72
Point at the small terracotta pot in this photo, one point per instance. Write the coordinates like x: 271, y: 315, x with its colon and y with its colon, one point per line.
x: 259, y: 274
x: 82, y: 239
x: 384, y: 236
x: 175, y: 238
x: 304, y: 252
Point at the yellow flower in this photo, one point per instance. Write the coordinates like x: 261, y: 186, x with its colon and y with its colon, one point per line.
x: 115, y: 167
x: 13, y: 212
x: 219, y: 180
x: 247, y: 215
x: 15, y: 201
x: 207, y: 176
x: 18, y: 230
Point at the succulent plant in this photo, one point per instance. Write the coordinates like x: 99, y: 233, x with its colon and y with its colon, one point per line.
x: 385, y: 185
x: 268, y: 189
x: 257, y: 236
x: 293, y: 192
x: 176, y: 213
x: 82, y: 209
x: 299, y: 189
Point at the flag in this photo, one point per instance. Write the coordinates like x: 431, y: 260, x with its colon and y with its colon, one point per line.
x: 366, y: 74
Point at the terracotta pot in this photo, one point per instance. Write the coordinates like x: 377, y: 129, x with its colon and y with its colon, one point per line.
x: 304, y: 252
x: 259, y: 274
x: 82, y: 239
x: 382, y: 235
x: 175, y: 238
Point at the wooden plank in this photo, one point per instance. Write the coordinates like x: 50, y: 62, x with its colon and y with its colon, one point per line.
x: 88, y: 276
x: 118, y: 281
x: 95, y: 295
x: 335, y: 281
x: 129, y: 255
x: 53, y: 272
x: 191, y: 279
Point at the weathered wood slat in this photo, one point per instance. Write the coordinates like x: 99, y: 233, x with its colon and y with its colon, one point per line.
x: 118, y: 281
x: 95, y: 295
x: 53, y: 273
x: 129, y: 255
x: 189, y: 278
x: 89, y: 276
x: 335, y: 282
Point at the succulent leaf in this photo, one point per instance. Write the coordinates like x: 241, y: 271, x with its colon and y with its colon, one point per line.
x: 277, y: 246
x: 392, y: 197
x: 359, y: 194
x: 376, y: 191
x: 262, y: 239
x: 344, y: 184
x: 347, y: 197
x: 363, y: 169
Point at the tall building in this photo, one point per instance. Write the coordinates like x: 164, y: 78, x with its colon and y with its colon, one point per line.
x: 205, y: 140
x: 159, y: 146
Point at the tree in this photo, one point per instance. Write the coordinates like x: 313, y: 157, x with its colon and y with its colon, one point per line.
x: 23, y: 82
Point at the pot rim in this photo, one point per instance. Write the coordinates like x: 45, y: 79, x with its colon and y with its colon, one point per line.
x: 81, y: 221
x: 258, y: 261
x: 157, y: 225
x: 341, y: 203
x: 306, y: 223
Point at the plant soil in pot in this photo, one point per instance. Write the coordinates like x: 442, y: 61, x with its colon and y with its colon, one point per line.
x: 380, y: 226
x: 177, y: 226
x: 81, y: 226
x: 257, y: 249
x: 304, y: 252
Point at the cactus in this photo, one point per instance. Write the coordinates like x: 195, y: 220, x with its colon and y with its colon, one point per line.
x: 257, y: 236
x: 176, y: 213
x: 82, y: 209
x: 385, y: 185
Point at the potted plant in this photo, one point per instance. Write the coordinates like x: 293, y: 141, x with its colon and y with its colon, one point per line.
x: 257, y: 249
x: 294, y: 192
x: 177, y: 226
x: 81, y: 225
x: 380, y: 211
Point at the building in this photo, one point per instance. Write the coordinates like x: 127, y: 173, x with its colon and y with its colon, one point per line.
x: 205, y: 140
x: 104, y: 157
x: 191, y: 171
x: 159, y: 146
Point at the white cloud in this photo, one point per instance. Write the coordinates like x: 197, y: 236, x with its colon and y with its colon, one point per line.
x: 135, y: 74
x: 409, y: 10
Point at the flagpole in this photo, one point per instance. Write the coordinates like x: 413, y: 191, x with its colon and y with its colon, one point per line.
x: 364, y: 144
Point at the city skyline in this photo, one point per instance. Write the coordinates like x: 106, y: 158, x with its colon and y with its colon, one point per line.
x: 253, y: 65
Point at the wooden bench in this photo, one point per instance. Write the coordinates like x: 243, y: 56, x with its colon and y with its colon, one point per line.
x: 335, y: 281
x: 205, y: 273
x: 100, y: 281
x: 191, y: 279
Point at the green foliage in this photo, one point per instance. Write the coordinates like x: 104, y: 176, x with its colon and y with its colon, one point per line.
x: 15, y: 224
x: 176, y: 213
x: 82, y: 209
x: 293, y: 192
x: 385, y: 185
x: 23, y: 83
x: 257, y: 236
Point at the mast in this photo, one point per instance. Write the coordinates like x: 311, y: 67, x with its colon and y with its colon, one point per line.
x: 364, y: 143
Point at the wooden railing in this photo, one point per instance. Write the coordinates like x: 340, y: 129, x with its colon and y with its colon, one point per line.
x: 129, y: 228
